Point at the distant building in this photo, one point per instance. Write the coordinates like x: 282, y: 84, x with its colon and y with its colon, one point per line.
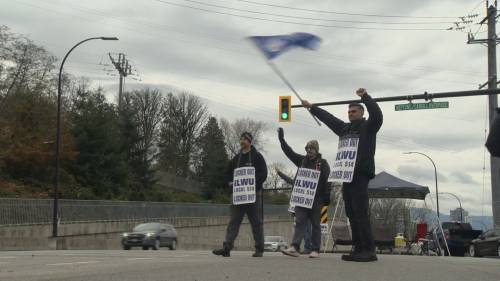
x: 456, y: 214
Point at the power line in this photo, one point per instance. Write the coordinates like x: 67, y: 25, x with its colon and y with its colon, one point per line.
x: 298, y: 23
x: 316, y: 19
x: 210, y: 36
x: 346, y: 13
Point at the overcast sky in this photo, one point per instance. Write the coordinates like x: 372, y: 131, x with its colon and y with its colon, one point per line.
x: 188, y: 46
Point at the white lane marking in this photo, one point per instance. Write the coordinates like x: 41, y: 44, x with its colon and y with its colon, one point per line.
x: 134, y: 259
x: 70, y: 263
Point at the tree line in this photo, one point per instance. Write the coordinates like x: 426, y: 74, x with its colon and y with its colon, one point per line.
x: 106, y: 152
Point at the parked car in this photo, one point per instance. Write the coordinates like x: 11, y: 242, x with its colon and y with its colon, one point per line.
x: 487, y: 244
x: 274, y: 243
x: 150, y: 235
x: 458, y: 237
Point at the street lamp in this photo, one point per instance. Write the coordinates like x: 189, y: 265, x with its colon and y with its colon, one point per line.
x: 459, y: 203
x: 435, y: 177
x: 58, y: 131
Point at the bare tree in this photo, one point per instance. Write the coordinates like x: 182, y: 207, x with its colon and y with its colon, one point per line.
x: 183, y: 117
x: 233, y: 130
x: 148, y: 105
x: 273, y: 179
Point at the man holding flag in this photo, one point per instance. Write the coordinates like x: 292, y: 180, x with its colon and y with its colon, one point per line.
x: 360, y: 137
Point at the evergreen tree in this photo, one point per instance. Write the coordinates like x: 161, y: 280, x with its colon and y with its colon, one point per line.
x: 101, y: 162
x: 212, y: 159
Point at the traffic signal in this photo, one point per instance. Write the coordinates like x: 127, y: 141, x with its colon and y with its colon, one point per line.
x: 285, y: 109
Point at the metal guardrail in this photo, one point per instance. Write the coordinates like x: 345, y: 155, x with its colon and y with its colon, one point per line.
x: 15, y: 211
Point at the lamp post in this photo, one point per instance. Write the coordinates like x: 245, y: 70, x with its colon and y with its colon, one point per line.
x: 435, y: 176
x: 58, y: 132
x: 459, y: 203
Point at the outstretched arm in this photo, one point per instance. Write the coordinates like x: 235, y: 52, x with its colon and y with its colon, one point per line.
x: 335, y: 124
x: 286, y: 178
x: 375, y: 118
x: 294, y: 157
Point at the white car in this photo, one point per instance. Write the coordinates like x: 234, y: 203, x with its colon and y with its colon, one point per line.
x: 274, y: 243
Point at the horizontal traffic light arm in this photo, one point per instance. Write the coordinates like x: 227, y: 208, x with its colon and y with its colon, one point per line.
x: 426, y: 96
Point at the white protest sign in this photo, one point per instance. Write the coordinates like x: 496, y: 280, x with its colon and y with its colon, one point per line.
x: 244, y: 185
x: 345, y: 161
x: 304, y: 189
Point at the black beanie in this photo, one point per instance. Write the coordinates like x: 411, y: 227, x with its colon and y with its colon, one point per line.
x: 248, y: 136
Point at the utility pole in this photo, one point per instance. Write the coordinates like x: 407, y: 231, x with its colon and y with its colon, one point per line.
x: 492, y: 42
x: 124, y: 69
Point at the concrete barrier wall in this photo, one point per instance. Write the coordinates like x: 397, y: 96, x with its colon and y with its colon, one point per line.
x: 193, y: 233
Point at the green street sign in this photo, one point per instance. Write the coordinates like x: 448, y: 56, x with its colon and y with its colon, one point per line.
x: 423, y: 105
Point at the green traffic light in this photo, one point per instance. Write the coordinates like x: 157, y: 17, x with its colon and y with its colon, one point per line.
x: 284, y: 115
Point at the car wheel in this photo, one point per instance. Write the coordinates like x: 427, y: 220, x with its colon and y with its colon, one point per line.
x: 472, y: 251
x: 145, y: 248
x: 157, y: 244
x: 126, y: 247
x: 173, y: 246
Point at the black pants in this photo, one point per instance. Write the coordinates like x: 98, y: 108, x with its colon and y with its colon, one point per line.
x: 253, y: 212
x: 302, y: 217
x: 355, y: 196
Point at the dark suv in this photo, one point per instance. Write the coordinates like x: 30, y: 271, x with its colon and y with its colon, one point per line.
x: 150, y: 235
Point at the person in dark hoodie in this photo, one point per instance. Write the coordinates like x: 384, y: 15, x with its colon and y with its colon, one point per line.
x: 493, y: 141
x: 248, y: 157
x: 355, y: 193
x: 312, y: 160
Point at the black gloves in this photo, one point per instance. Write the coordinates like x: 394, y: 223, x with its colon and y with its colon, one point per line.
x: 281, y: 134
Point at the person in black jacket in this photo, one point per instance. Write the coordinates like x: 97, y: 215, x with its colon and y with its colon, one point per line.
x: 248, y: 157
x: 355, y: 193
x: 312, y: 160
x: 493, y: 141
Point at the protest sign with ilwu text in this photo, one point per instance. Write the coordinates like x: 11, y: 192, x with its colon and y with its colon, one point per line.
x: 244, y: 185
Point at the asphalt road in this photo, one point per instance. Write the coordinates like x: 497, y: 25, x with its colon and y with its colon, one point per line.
x: 203, y: 266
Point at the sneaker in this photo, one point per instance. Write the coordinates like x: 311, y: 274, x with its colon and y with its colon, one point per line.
x: 314, y: 255
x: 258, y: 254
x: 222, y: 252
x: 364, y: 257
x: 290, y: 251
x: 305, y: 252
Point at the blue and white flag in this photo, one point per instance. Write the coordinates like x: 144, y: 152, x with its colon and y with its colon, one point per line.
x: 273, y: 46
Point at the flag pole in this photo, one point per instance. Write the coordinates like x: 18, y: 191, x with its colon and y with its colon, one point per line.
x: 278, y: 72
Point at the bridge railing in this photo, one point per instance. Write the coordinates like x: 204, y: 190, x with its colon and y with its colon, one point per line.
x: 14, y: 211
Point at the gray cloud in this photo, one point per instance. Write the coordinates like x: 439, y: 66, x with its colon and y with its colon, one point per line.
x: 420, y: 173
x: 462, y: 177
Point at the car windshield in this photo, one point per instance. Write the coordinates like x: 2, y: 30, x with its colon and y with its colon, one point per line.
x: 147, y: 227
x: 272, y: 238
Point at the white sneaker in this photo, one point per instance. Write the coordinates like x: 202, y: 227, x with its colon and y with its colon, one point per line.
x: 314, y: 255
x: 290, y: 251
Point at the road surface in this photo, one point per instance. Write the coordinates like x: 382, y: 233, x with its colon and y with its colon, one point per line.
x: 168, y: 265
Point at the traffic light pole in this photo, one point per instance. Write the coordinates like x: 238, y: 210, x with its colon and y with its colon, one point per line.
x: 426, y: 96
